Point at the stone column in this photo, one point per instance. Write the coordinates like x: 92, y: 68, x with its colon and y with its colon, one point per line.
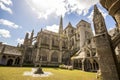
x: 106, y: 58
x: 0, y: 58
x: 50, y: 45
x: 83, y: 67
x: 82, y: 36
x: 106, y: 55
x: 91, y: 61
x: 23, y: 55
x: 60, y: 57
x: 60, y: 43
x: 49, y: 56
x: 117, y: 17
x: 72, y: 63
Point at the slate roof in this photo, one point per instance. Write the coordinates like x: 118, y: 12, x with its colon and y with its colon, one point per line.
x: 11, y: 50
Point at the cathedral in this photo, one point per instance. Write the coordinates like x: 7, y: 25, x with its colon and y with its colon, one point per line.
x: 70, y: 46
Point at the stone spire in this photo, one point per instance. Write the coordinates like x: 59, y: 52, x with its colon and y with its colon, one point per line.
x: 61, y: 26
x: 31, y: 37
x: 99, y: 22
x: 69, y: 24
x: 26, y: 38
x: 106, y: 55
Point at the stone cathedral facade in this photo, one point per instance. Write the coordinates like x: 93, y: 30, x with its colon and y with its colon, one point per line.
x: 53, y: 49
x: 70, y: 46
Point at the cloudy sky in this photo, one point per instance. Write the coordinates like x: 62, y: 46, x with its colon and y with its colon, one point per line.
x: 20, y: 16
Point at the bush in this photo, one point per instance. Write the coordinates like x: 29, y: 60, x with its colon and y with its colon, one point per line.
x: 66, y: 67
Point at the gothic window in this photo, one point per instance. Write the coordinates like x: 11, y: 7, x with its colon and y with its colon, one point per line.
x: 88, y: 54
x: 63, y: 44
x: 54, y: 57
x: 65, y: 32
x: 17, y: 60
x: 53, y: 42
x: 78, y: 35
x: 3, y: 60
x: 87, y: 65
x: 95, y: 65
x: 72, y: 31
x: 44, y: 57
x: 93, y: 53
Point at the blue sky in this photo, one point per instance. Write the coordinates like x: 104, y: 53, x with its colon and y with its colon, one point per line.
x: 20, y: 16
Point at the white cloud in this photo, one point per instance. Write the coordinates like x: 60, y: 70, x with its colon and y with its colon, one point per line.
x: 20, y: 41
x: 53, y: 28
x: 4, y: 33
x: 44, y: 8
x: 5, y: 43
x: 9, y: 24
x: 4, y: 5
x: 111, y: 28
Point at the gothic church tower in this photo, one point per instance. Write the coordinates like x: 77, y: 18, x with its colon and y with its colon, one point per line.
x: 61, y: 26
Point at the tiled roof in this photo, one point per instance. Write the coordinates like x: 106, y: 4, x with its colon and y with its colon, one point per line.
x: 1, y: 48
x: 12, y: 50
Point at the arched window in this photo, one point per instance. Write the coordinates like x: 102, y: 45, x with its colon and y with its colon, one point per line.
x: 95, y: 65
x: 17, y: 60
x: 3, y: 60
x: 10, y: 62
x: 44, y: 57
x: 54, y: 57
x: 72, y: 42
x: 88, y: 53
x: 87, y: 65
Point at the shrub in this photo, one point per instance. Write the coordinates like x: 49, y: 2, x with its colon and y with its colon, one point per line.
x: 66, y: 67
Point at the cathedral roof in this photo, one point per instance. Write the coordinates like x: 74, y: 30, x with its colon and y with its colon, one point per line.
x: 12, y: 50
x: 82, y: 21
x: 69, y: 26
x: 1, y: 47
x: 79, y: 55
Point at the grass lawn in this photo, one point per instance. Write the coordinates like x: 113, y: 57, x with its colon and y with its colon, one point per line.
x: 16, y: 73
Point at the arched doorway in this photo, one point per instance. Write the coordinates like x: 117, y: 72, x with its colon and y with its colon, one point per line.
x: 95, y: 65
x: 87, y: 65
x: 44, y: 56
x: 3, y: 61
x: 9, y: 62
x: 54, y: 57
x: 17, y: 60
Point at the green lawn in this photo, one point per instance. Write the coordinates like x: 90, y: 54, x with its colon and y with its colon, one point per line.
x: 16, y: 73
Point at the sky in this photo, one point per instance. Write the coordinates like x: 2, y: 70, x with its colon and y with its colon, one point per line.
x: 20, y: 16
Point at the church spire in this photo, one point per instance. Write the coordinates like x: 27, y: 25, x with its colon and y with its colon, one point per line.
x: 26, y: 38
x: 31, y: 37
x: 99, y: 22
x: 61, y: 26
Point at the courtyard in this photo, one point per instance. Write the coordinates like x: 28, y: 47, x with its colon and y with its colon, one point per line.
x: 16, y: 73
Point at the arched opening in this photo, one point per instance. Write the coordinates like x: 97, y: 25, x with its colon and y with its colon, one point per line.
x: 80, y: 64
x: 3, y: 61
x: 44, y: 57
x: 9, y: 62
x: 87, y: 65
x: 76, y: 64
x: 95, y: 66
x: 88, y: 53
x: 72, y: 41
x: 17, y: 60
x: 54, y: 57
